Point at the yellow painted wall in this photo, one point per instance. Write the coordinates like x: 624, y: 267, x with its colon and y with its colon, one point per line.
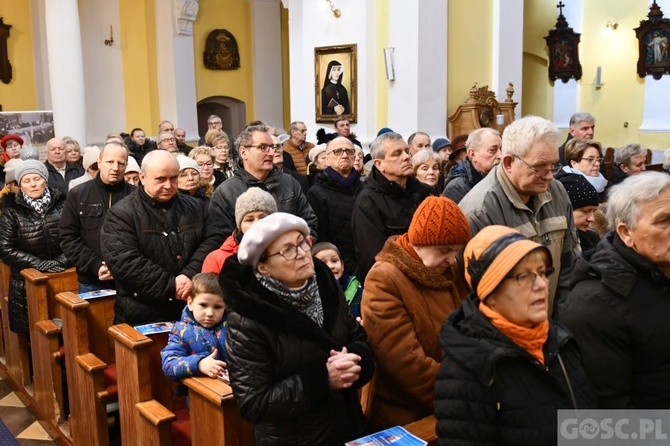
x: 235, y: 16
x: 382, y: 84
x: 138, y: 53
x: 538, y: 19
x: 470, y: 45
x: 20, y: 93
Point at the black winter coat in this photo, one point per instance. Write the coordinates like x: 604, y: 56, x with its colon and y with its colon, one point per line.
x: 81, y: 222
x: 139, y: 152
x: 333, y: 205
x: 146, y: 245
x: 56, y: 180
x: 461, y: 180
x: 284, y: 189
x: 618, y: 309
x: 382, y: 209
x: 490, y: 391
x: 27, y: 238
x: 277, y: 361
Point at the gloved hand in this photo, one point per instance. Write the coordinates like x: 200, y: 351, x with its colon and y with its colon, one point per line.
x: 50, y: 266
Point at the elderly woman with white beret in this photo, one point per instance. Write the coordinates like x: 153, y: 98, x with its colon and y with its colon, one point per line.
x: 296, y: 356
x: 29, y: 236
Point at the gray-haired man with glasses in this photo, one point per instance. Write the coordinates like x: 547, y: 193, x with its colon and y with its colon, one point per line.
x: 255, y: 168
x: 332, y: 197
x: 521, y: 193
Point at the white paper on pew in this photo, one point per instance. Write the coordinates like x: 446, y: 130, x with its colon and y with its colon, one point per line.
x: 97, y: 293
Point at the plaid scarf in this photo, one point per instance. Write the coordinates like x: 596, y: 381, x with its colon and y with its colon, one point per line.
x: 306, y: 300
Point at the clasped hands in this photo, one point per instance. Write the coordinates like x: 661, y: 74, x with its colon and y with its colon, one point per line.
x: 343, y: 369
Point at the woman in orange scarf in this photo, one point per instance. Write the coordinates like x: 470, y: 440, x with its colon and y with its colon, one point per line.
x: 507, y: 368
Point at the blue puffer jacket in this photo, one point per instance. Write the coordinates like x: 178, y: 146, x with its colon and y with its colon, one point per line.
x: 189, y: 343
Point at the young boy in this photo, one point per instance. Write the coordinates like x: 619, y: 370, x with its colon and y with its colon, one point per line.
x: 353, y: 291
x: 197, y: 343
x: 250, y: 207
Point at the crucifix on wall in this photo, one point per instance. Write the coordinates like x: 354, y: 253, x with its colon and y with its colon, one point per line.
x: 5, y: 66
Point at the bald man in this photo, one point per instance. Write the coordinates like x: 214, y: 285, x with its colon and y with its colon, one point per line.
x: 153, y: 242
x: 60, y: 171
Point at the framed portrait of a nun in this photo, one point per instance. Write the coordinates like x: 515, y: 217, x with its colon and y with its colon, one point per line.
x: 335, y: 83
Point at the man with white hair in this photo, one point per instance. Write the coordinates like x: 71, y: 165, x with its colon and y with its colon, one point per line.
x: 521, y: 193
x: 630, y: 159
x: 619, y: 307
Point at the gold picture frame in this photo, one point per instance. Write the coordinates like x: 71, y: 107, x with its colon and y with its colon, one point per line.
x: 335, y: 83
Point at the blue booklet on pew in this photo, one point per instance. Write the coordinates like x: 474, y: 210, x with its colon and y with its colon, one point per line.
x: 396, y: 436
x: 153, y: 328
x: 97, y: 293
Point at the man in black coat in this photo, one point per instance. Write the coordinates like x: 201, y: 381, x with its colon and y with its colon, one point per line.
x: 332, y: 198
x: 256, y: 169
x: 387, y: 203
x: 153, y: 242
x: 619, y: 305
x: 60, y: 171
x: 84, y: 213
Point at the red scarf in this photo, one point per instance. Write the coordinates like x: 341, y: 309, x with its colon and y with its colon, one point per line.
x: 530, y: 339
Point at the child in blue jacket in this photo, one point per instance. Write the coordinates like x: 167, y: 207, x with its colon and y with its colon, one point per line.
x: 197, y: 343
x: 353, y: 291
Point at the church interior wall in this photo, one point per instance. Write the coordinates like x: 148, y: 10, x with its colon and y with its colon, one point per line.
x: 20, y: 93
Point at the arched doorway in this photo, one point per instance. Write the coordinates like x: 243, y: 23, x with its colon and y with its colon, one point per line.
x: 233, y: 113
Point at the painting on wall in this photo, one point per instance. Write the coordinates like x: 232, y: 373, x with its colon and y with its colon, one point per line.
x: 335, y: 86
x: 563, y: 44
x: 34, y: 127
x: 653, y: 37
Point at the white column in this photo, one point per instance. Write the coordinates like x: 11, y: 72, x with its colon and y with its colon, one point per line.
x: 418, y: 95
x: 176, y: 72
x: 66, y: 70
x: 268, y: 97
x: 566, y: 95
x: 40, y: 55
x: 508, y: 49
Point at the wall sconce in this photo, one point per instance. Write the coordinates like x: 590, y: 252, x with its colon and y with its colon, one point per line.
x: 611, y: 25
x: 388, y: 60
x: 110, y: 41
x: 336, y: 12
x: 599, y: 78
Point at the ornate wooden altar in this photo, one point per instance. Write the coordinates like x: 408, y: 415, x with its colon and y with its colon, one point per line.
x: 482, y: 109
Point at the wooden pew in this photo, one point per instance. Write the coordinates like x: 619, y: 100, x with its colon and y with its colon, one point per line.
x: 88, y: 353
x: 41, y: 291
x: 148, y: 409
x: 17, y: 362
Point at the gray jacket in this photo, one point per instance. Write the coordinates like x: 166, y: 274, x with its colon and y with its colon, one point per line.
x: 495, y: 201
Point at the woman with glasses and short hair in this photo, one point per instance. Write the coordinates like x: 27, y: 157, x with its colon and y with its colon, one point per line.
x: 209, y: 176
x: 507, y: 367
x: 296, y: 355
x: 219, y: 145
x: 584, y: 157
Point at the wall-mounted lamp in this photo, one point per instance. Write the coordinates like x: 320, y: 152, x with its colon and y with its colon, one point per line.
x: 611, y: 25
x: 599, y: 78
x: 388, y: 60
x: 336, y: 12
x: 110, y: 41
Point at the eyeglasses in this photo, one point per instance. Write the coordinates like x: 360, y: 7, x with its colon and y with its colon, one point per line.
x: 339, y: 152
x: 265, y: 147
x: 526, y: 280
x: 167, y: 139
x: 189, y: 174
x: 209, y: 164
x: 593, y: 160
x: 291, y: 252
x: 541, y: 172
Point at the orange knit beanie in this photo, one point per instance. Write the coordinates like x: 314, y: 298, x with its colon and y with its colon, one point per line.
x: 438, y: 221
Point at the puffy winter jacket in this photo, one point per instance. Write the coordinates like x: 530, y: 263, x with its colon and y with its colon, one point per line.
x: 619, y: 309
x: 56, y: 180
x: 27, y: 238
x: 333, y: 205
x: 189, y: 343
x: 146, y: 245
x: 490, y: 391
x: 277, y: 361
x: 461, y: 180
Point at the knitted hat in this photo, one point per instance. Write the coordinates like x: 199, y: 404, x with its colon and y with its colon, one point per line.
x: 186, y: 162
x: 492, y: 254
x: 9, y: 137
x: 264, y: 232
x: 316, y: 151
x: 384, y: 130
x: 132, y: 166
x: 91, y: 156
x: 440, y: 143
x: 253, y: 200
x: 438, y: 221
x: 10, y: 169
x: 31, y: 166
x: 581, y: 192
x: 29, y: 153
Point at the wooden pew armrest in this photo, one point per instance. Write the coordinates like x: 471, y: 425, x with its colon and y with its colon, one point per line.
x: 129, y: 337
x: 90, y: 363
x: 424, y: 428
x: 212, y: 389
x: 71, y: 301
x: 47, y: 327
x: 155, y: 413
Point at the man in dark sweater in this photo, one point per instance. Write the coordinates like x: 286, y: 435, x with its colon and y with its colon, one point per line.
x: 60, y: 171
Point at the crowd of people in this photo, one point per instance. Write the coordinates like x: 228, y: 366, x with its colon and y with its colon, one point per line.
x: 489, y: 280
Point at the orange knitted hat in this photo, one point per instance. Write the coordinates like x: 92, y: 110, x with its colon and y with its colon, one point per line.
x: 492, y: 254
x: 438, y: 221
